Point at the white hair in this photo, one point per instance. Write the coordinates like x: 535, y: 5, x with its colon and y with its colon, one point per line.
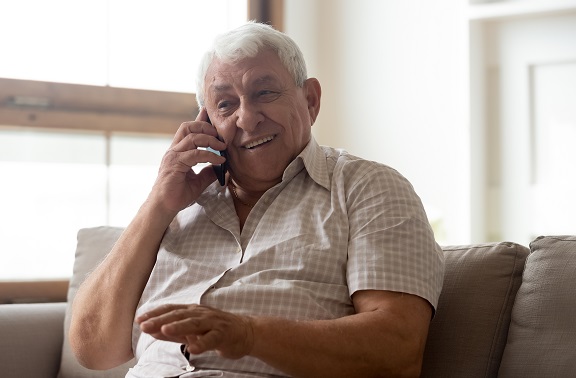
x: 247, y: 41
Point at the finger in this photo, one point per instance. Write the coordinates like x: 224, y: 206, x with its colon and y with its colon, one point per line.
x: 163, y: 309
x: 156, y: 323
x: 195, y: 127
x: 200, y: 125
x: 183, y: 331
x: 197, y: 344
x: 196, y: 140
x: 211, y: 340
x: 186, y: 323
x: 202, y: 114
x: 183, y: 161
x: 180, y: 321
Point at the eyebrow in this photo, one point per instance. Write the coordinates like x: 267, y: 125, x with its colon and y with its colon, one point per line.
x: 221, y: 87
x: 265, y: 80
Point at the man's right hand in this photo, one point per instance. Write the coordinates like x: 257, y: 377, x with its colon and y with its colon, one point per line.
x: 177, y: 185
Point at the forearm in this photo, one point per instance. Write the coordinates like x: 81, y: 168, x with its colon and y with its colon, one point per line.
x: 354, y: 346
x: 104, y: 307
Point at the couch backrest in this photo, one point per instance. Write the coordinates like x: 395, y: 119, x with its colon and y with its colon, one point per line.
x: 468, y: 333
x: 93, y: 245
x: 542, y: 336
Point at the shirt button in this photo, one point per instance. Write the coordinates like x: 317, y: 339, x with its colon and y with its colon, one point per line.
x: 239, y: 250
x: 190, y: 368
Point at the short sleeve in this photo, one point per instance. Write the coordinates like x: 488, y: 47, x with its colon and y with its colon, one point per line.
x: 391, y: 245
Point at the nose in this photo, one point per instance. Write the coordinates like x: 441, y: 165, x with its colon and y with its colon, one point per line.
x: 248, y: 116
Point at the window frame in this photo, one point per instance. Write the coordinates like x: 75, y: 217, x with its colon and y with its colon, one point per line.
x: 42, y: 105
x: 27, y: 103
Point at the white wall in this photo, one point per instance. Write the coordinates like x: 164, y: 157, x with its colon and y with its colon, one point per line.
x: 395, y: 90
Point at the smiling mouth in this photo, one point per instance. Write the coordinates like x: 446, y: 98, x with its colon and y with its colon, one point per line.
x: 259, y: 142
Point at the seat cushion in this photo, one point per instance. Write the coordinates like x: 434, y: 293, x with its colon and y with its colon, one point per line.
x: 542, y: 336
x: 93, y: 245
x: 468, y: 333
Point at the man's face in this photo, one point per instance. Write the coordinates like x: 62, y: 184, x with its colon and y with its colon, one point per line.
x: 263, y: 117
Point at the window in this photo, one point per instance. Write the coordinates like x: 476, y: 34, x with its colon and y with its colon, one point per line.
x: 85, y: 153
x: 150, y: 44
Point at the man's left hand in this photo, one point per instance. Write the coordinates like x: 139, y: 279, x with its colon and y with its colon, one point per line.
x: 201, y: 328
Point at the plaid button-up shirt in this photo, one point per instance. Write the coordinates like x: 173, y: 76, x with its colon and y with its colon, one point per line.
x: 334, y: 225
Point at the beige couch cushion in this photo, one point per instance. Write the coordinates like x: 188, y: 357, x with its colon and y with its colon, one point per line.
x: 93, y: 245
x: 542, y: 337
x: 468, y: 334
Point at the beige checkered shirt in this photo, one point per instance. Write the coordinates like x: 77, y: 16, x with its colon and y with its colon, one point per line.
x: 334, y: 225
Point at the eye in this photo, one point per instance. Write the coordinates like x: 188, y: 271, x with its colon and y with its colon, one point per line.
x: 267, y: 95
x: 223, y: 104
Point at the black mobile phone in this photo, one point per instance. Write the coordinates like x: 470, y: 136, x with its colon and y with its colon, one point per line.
x: 219, y: 169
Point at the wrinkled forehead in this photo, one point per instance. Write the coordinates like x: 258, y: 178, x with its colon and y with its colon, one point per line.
x: 264, y: 68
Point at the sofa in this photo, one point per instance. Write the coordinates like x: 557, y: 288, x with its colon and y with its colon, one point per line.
x: 505, y: 310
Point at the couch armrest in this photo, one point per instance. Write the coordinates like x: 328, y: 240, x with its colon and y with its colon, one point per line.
x: 31, y: 341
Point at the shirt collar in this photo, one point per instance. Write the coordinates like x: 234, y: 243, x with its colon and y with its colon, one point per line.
x: 313, y: 159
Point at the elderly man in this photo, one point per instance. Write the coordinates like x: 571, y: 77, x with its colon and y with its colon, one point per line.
x: 307, y: 262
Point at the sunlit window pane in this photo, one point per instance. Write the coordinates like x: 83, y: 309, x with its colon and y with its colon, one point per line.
x: 154, y: 44
x: 52, y: 185
x: 55, y: 183
x: 157, y: 44
x: 56, y: 40
x: 133, y: 168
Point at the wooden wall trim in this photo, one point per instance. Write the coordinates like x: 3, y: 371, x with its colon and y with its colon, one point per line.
x: 268, y: 12
x: 84, y: 107
x: 91, y: 120
x: 33, y: 291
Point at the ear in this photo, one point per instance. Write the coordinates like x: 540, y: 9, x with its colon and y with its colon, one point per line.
x: 313, y: 93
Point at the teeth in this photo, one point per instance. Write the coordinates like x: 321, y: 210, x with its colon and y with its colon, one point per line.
x: 259, y: 142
